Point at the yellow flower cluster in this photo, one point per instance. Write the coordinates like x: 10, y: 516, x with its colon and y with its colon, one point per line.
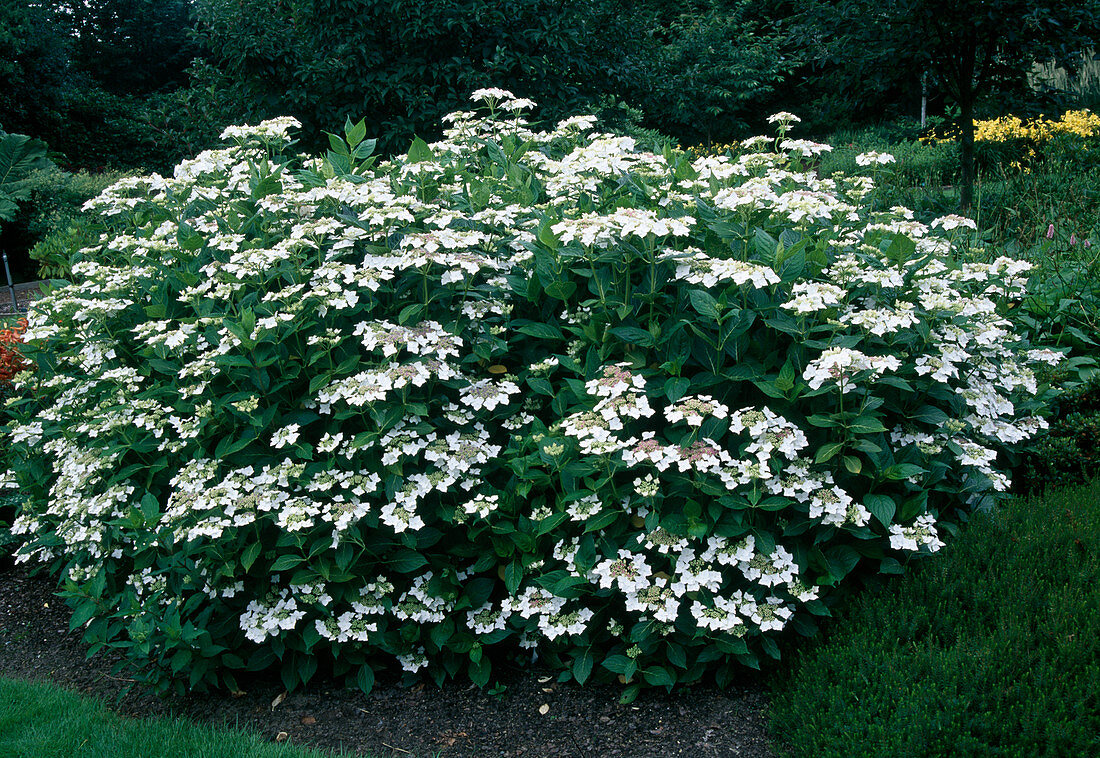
x: 1083, y: 123
x: 698, y: 151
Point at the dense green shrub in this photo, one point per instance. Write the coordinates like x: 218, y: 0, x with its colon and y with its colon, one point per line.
x: 87, y: 77
x: 706, y: 68
x: 50, y: 224
x: 20, y: 157
x: 403, y: 64
x: 515, y: 392
x: 991, y: 650
x: 34, y: 69
x: 914, y: 180
x: 1069, y: 451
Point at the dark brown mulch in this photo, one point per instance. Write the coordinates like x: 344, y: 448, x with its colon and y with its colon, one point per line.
x: 403, y: 722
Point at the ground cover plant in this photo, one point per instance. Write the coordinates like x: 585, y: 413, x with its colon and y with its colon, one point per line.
x: 43, y: 721
x: 990, y: 650
x: 515, y: 394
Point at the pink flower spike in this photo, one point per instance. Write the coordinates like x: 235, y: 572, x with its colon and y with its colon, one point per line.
x: 1050, y: 232
x: 1072, y: 239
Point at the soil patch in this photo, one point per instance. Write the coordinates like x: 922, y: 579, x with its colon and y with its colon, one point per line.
x: 455, y: 721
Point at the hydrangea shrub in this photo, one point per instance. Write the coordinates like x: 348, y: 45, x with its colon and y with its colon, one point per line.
x: 518, y: 393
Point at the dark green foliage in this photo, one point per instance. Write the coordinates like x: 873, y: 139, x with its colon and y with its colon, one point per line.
x: 972, y: 51
x: 915, y: 181
x: 83, y: 78
x: 990, y: 650
x: 34, y: 69
x: 403, y: 64
x: 9, y: 499
x: 19, y: 157
x: 1069, y: 452
x: 708, y: 68
x: 50, y: 224
x: 130, y: 47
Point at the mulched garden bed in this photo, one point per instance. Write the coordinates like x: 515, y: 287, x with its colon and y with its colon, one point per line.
x: 402, y: 722
x: 25, y: 293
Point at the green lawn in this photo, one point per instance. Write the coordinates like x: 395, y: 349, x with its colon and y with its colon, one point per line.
x: 45, y: 721
x: 990, y: 649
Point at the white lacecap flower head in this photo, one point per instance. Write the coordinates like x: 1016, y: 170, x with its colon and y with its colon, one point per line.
x: 872, y: 158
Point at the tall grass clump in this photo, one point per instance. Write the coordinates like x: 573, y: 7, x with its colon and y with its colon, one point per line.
x: 991, y: 650
x: 515, y: 394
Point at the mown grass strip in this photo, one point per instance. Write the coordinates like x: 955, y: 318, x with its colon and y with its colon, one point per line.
x: 45, y: 721
x: 990, y: 649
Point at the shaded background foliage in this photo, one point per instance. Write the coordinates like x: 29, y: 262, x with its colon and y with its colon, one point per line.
x: 138, y: 85
x: 402, y: 65
x: 143, y: 83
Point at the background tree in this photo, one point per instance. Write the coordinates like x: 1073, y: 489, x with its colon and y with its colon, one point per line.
x: 974, y: 50
x: 90, y: 77
x: 710, y: 67
x: 130, y: 47
x: 403, y: 64
x: 34, y: 69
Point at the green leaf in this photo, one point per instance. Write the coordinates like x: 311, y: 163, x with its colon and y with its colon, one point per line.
x: 569, y: 587
x: 785, y: 380
x: 770, y: 647
x: 852, y: 463
x: 704, y: 304
x: 542, y: 331
x: 658, y: 676
x: 407, y: 561
x: 365, y: 150
x: 902, y: 471
x: 228, y: 446
x: 882, y: 507
x: 409, y: 312
x: 867, y: 425
x: 419, y: 151
x: 540, y: 386
x: 769, y: 389
x: 480, y: 671
x: 336, y: 145
x: 365, y: 678
x: 19, y: 157
x: 513, y: 576
x: 930, y: 415
x: 354, y: 133
x: 251, y: 553
x: 284, y: 562
x: 828, y: 451
x: 150, y: 507
x: 616, y: 664
x: 82, y: 615
x: 601, y: 520
x: 634, y: 336
x: 842, y: 559
x: 546, y: 235
x: 561, y: 290
x: 676, y: 387
x: 582, y: 666
x: 630, y: 694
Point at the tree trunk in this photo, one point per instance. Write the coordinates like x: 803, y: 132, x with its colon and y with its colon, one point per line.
x: 966, y: 154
